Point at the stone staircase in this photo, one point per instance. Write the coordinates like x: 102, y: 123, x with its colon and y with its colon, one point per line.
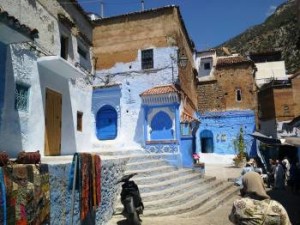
x: 167, y: 190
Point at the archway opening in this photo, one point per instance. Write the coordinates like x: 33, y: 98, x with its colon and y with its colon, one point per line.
x: 161, y: 127
x: 106, y: 123
x: 207, y: 141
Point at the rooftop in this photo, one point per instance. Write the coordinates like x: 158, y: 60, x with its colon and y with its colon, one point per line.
x: 159, y: 90
x: 232, y: 60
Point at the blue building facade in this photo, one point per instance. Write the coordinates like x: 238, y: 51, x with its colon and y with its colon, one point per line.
x: 219, y: 130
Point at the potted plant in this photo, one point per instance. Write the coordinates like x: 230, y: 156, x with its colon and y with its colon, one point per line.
x: 240, y: 146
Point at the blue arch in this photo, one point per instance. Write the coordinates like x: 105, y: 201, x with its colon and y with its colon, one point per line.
x: 161, y: 127
x: 207, y: 141
x: 106, y: 123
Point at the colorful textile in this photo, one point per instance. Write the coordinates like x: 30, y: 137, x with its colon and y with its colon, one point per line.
x: 28, y: 194
x: 88, y: 183
x: 256, y: 207
x: 247, y: 211
x: 2, y: 199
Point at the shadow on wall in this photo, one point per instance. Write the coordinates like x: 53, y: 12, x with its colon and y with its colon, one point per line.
x: 10, y: 123
x: 139, y: 129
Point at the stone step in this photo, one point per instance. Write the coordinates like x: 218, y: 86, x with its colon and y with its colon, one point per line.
x: 112, y: 151
x: 161, y: 177
x: 188, y: 206
x: 179, y: 197
x: 163, y: 185
x: 151, y: 171
x: 148, y: 163
x: 186, y: 196
x: 169, y: 192
x: 152, y: 156
x: 214, y: 203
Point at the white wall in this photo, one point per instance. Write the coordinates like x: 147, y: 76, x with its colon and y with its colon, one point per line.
x: 203, y: 57
x: 43, y: 17
x: 25, y: 130
x: 133, y: 82
x: 268, y: 71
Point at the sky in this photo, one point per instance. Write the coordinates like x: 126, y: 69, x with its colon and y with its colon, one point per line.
x: 208, y: 22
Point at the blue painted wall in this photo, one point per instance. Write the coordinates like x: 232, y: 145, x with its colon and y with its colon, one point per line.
x: 186, y: 148
x: 105, y: 105
x: 224, y: 128
x: 107, y: 123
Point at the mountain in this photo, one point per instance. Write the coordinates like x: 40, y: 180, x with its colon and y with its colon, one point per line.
x: 280, y: 31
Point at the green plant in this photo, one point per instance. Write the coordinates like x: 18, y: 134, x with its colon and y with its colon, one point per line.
x: 239, y: 146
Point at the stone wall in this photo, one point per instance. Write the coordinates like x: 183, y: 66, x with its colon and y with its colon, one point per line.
x: 220, y: 93
x: 112, y: 171
x: 119, y: 40
x: 296, y: 94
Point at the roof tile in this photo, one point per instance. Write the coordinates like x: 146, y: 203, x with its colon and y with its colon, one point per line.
x: 16, y: 25
x: 159, y: 90
x: 232, y: 60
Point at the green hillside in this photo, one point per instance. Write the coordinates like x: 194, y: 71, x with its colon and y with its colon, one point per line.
x: 280, y: 31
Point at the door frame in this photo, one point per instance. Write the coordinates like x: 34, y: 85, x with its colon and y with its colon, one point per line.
x: 53, y: 122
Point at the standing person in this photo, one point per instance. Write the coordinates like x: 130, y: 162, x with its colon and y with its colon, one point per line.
x: 279, y: 176
x: 271, y: 173
x: 255, y: 206
x: 287, y: 166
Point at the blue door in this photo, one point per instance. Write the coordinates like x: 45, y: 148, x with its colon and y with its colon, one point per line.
x: 106, y: 123
x: 161, y: 127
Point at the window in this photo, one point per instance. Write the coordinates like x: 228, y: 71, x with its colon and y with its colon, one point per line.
x: 185, y: 129
x: 238, y: 95
x: 81, y: 52
x: 79, y: 120
x: 64, y: 42
x: 207, y: 66
x: 21, y: 97
x: 147, y: 59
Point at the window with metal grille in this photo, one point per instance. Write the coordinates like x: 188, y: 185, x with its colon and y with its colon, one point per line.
x: 147, y: 59
x: 21, y: 97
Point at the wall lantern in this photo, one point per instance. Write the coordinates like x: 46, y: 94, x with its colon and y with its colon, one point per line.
x: 182, y: 60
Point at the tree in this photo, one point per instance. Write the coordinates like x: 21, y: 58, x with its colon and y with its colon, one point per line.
x: 240, y: 146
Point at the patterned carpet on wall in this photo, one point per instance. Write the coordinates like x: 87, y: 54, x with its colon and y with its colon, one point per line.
x: 88, y: 183
x: 27, y: 194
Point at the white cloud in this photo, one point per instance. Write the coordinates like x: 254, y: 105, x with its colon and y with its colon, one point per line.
x: 271, y: 10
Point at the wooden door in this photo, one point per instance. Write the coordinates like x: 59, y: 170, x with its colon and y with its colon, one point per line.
x: 53, y: 115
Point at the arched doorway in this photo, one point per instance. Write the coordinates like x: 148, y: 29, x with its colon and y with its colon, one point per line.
x: 161, y: 127
x: 207, y: 141
x: 106, y: 123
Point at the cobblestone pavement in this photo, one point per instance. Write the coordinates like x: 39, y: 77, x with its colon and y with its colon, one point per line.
x: 219, y: 216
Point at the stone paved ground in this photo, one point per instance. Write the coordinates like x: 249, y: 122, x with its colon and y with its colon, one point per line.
x: 219, y: 216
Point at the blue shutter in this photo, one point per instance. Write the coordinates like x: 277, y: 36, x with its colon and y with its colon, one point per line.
x: 106, y: 123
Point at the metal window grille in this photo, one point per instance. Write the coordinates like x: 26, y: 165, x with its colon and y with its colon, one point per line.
x: 147, y: 59
x: 21, y: 97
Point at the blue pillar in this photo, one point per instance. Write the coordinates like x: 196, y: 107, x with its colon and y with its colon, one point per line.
x: 145, y: 122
